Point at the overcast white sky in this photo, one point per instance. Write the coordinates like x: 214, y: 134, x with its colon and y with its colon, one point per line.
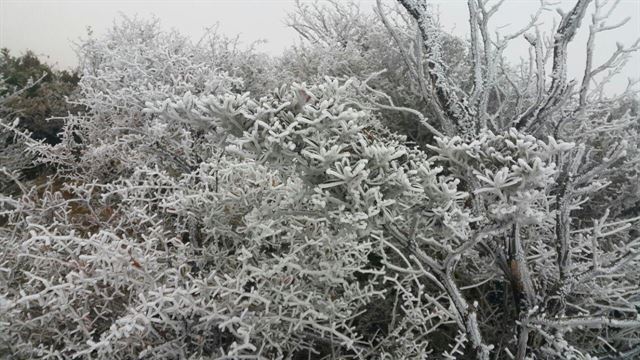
x: 50, y: 26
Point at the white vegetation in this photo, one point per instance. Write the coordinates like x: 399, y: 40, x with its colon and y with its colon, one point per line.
x: 215, y: 204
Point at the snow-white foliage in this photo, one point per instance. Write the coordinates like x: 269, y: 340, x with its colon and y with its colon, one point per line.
x: 195, y: 214
x: 134, y: 63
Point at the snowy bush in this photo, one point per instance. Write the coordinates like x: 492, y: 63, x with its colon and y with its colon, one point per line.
x: 199, y: 211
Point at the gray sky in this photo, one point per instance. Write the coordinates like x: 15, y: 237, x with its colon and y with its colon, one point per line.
x: 50, y: 26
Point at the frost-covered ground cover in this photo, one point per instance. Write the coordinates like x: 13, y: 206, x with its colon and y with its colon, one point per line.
x: 347, y: 200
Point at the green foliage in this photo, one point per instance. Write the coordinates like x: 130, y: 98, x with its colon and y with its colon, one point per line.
x: 45, y: 94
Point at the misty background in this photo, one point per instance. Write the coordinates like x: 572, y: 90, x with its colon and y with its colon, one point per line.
x: 50, y: 27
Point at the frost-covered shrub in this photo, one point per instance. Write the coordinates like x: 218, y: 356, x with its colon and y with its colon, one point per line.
x: 136, y: 62
x: 269, y: 260
x: 345, y: 39
x: 190, y: 218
